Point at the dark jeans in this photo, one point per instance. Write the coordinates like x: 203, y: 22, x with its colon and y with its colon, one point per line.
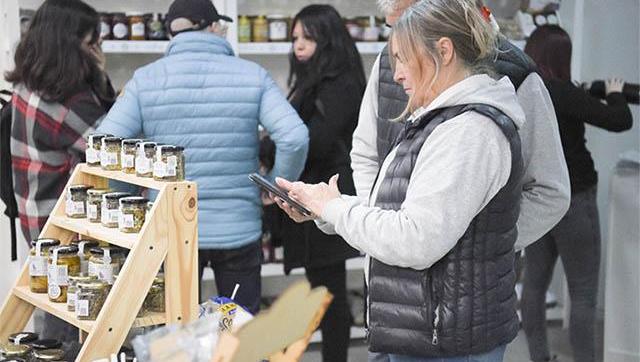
x: 576, y: 239
x: 241, y: 266
x: 336, y: 324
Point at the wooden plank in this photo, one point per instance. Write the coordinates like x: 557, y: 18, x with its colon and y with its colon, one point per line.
x: 147, y: 182
x: 181, y: 265
x: 130, y: 289
x: 41, y: 301
x: 96, y: 231
x: 14, y: 315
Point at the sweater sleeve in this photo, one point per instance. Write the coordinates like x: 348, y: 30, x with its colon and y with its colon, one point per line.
x: 125, y: 118
x: 286, y: 129
x: 573, y: 103
x: 449, y: 186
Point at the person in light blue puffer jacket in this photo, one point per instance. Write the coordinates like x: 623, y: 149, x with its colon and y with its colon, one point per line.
x: 202, y: 97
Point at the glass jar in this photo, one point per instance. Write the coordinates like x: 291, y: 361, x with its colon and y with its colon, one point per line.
x: 43, y: 344
x: 105, y: 26
x: 94, y: 204
x: 128, y: 155
x: 277, y: 28
x: 136, y: 26
x: 72, y: 291
x: 371, y: 32
x: 156, y: 28
x: 105, y: 262
x: 91, y: 298
x: 63, y: 262
x: 244, y: 29
x: 110, y: 208
x: 38, y: 266
x: 155, y: 300
x: 94, y: 144
x: 144, y: 159
x: 120, y: 27
x: 84, y: 247
x: 132, y: 214
x: 23, y: 338
x: 10, y: 350
x: 169, y: 163
x: 53, y: 354
x: 76, y: 205
x: 260, y: 29
x: 110, y: 153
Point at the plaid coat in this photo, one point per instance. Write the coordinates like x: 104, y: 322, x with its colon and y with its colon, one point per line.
x: 47, y: 141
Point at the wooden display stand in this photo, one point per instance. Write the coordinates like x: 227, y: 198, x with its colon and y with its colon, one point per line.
x: 169, y: 235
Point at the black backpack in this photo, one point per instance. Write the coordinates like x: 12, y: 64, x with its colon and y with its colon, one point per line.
x: 6, y: 172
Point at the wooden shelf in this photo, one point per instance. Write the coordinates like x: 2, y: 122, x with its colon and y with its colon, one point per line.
x: 96, y: 231
x: 41, y: 301
x: 128, y: 178
x: 134, y: 46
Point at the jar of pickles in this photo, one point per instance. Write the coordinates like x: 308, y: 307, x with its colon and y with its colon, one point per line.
x: 76, y: 205
x: 132, y: 214
x: 110, y: 153
x: 84, y: 247
x: 169, y: 163
x: 128, y: 155
x: 53, y: 354
x: 23, y: 338
x: 15, y: 351
x: 94, y: 204
x: 72, y: 290
x: 155, y: 300
x: 144, y: 159
x: 105, y: 262
x: 38, y: 266
x: 91, y: 298
x: 94, y: 143
x: 111, y: 208
x: 63, y: 262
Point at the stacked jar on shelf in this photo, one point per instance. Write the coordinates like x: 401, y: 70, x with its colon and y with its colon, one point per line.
x: 132, y: 26
x: 26, y: 346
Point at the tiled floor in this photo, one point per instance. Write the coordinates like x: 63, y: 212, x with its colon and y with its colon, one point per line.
x: 516, y: 352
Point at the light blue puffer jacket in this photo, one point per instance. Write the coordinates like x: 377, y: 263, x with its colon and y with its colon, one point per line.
x: 202, y: 97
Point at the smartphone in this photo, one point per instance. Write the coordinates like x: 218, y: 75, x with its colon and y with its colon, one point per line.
x: 276, y: 190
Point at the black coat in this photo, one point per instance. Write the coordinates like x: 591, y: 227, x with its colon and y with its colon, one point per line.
x: 330, y: 111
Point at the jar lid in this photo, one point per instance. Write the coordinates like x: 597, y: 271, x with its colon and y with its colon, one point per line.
x: 170, y: 148
x: 98, y: 136
x: 150, y: 145
x: 47, y: 243
x: 14, y: 350
x: 98, y: 192
x: 87, y: 243
x: 49, y: 354
x: 112, y: 140
x: 115, y: 195
x: 79, y: 188
x: 46, y: 344
x: 133, y: 200
x: 112, y: 250
x: 93, y: 285
x: 131, y: 141
x: 23, y: 337
x: 67, y: 249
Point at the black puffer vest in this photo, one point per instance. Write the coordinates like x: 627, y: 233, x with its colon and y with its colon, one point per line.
x: 465, y: 304
x: 392, y: 100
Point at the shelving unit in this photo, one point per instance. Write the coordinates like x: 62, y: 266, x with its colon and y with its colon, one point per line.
x: 168, y: 236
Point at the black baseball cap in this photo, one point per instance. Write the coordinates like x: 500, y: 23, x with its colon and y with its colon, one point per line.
x: 201, y: 12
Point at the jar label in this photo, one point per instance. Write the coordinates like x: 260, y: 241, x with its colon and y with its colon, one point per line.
x: 172, y: 165
x: 92, y: 271
x: 38, y: 266
x: 159, y: 169
x: 108, y: 158
x: 93, y: 156
x: 82, y: 308
x: 278, y: 30
x: 120, y: 31
x: 105, y: 29
x: 75, y: 208
x: 137, y: 29
x: 58, y: 275
x: 125, y: 221
x: 128, y: 161
x: 54, y: 291
x: 84, y: 266
x: 92, y: 211
x: 112, y: 216
x: 71, y: 299
x: 105, y: 272
x: 143, y: 165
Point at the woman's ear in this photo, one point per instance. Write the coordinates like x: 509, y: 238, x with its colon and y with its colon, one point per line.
x: 445, y: 50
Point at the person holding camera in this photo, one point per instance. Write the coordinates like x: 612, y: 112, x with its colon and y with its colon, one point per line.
x: 576, y: 238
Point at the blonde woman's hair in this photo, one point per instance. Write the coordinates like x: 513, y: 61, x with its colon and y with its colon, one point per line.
x: 421, y: 26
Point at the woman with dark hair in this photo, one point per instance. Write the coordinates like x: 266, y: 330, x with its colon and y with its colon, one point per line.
x: 60, y: 93
x: 576, y: 238
x: 327, y: 83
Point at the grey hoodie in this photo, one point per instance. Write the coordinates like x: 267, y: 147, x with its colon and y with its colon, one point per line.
x: 460, y: 168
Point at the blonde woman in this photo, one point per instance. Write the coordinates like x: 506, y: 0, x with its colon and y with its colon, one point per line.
x: 440, y: 222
